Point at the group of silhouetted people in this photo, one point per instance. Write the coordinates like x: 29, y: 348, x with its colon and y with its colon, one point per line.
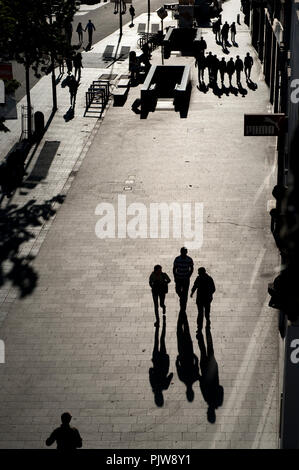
x: 214, y: 66
x: 222, y: 32
x: 187, y: 363
x: 182, y: 271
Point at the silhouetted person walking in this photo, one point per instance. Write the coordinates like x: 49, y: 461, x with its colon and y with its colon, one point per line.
x: 209, y: 65
x: 77, y: 61
x: 200, y: 61
x: 90, y: 28
x: 216, y: 30
x: 233, y: 32
x: 132, y: 13
x: 80, y: 30
x: 222, y: 69
x: 214, y: 69
x: 239, y: 69
x: 182, y: 271
x: 230, y: 69
x: 205, y: 287
x: 159, y: 283
x: 66, y: 437
x: 211, y: 391
x: 187, y: 361
x: 158, y: 374
x: 224, y: 34
x: 248, y: 63
x: 202, y: 45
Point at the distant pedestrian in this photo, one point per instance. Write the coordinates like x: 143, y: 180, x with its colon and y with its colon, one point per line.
x: 202, y: 45
x: 233, y: 32
x: 222, y: 69
x: 248, y: 63
x: 205, y: 287
x: 159, y: 281
x: 209, y: 65
x: 66, y: 437
x: 77, y: 61
x: 216, y: 30
x: 90, y: 28
x: 80, y: 30
x: 215, y: 68
x: 239, y: 69
x: 182, y: 271
x: 200, y: 63
x: 230, y: 69
x: 224, y: 34
x: 73, y: 87
x: 60, y: 61
x: 132, y: 13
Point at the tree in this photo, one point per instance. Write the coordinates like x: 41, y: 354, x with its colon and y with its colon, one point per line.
x: 33, y: 33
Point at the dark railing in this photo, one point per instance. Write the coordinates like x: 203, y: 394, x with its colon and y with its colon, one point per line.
x: 97, y: 97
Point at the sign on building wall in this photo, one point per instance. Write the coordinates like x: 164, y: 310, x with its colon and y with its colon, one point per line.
x: 263, y: 124
x: 290, y: 398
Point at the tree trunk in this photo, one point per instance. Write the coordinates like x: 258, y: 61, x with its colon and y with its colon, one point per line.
x: 29, y: 127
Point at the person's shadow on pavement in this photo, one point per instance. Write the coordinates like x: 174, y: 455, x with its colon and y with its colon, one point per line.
x: 211, y: 391
x: 187, y: 361
x: 251, y: 85
x: 158, y: 374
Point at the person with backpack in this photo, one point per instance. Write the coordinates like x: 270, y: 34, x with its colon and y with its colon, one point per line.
x: 159, y: 281
x: 205, y: 287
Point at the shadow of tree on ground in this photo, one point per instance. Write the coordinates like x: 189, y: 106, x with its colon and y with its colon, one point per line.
x: 15, y: 224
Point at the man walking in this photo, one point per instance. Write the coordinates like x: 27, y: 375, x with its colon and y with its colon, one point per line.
x: 224, y: 34
x: 248, y: 63
x: 66, y: 437
x: 202, y: 45
x: 239, y: 69
x: 209, y: 65
x: 182, y: 271
x: 200, y: 62
x: 90, y: 28
x: 132, y: 13
x: 205, y: 287
x: 77, y: 61
x: 233, y: 32
x: 230, y: 68
x: 222, y: 69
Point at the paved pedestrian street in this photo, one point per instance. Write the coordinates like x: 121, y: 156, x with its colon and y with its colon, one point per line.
x: 83, y: 340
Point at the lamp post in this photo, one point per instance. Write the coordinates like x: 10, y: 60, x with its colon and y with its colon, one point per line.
x: 120, y: 7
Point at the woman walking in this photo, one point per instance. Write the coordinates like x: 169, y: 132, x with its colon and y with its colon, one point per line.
x: 159, y: 281
x: 79, y: 30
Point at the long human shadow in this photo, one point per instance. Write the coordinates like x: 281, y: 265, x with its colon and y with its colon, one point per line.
x: 211, y: 391
x: 187, y: 361
x: 15, y: 224
x: 158, y: 374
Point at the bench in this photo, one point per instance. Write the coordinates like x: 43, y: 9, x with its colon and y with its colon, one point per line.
x: 120, y: 93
